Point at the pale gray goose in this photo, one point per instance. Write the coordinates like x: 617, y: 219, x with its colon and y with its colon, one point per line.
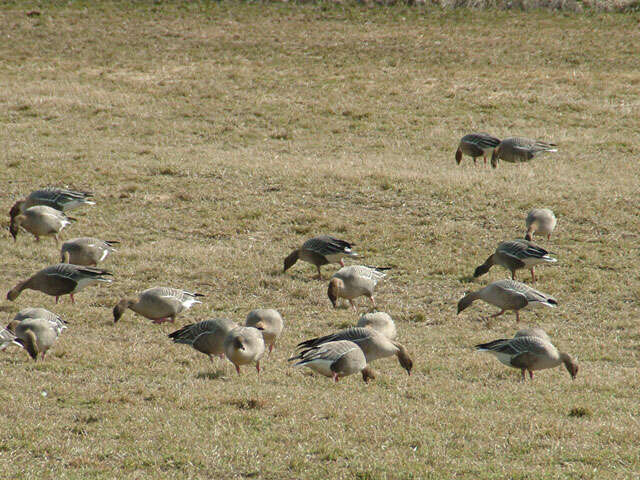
x: 40, y: 221
x: 380, y: 321
x: 353, y: 282
x: 508, y: 295
x: 321, y: 251
x: 529, y: 353
x: 86, y: 250
x: 55, y: 320
x: 269, y: 322
x: 335, y: 359
x: 207, y: 336
x: 160, y: 304
x: 532, y: 332
x: 541, y: 220
x: 519, y: 149
x: 514, y: 255
x: 59, y: 198
x: 36, y: 336
x: 244, y: 345
x: 61, y: 279
x: 476, y: 145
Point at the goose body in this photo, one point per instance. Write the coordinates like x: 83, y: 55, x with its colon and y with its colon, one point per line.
x: 270, y: 323
x: 86, y: 251
x: 354, y: 281
x: 56, y: 321
x: 40, y: 221
x: 335, y: 359
x: 206, y: 337
x: 476, y: 145
x: 514, y: 255
x: 508, y: 295
x: 380, y: 321
x: 36, y: 336
x: 61, y: 279
x: 373, y: 344
x: 541, y: 220
x: 532, y: 332
x: 61, y: 199
x: 519, y: 149
x: 321, y: 251
x: 529, y: 353
x: 160, y: 304
x: 244, y: 345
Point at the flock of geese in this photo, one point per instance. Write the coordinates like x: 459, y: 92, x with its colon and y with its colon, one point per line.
x: 336, y: 355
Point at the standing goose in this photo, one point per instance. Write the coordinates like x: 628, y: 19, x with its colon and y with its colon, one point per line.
x: 519, y: 149
x: 244, y: 345
x: 61, y: 279
x: 207, y: 336
x: 507, y: 295
x: 55, y: 320
x: 61, y: 199
x: 374, y: 345
x: 529, y: 353
x: 540, y: 220
x: 514, y: 255
x: 269, y: 322
x: 36, y: 336
x: 40, y: 221
x: 321, y: 251
x: 476, y: 145
x: 380, y: 321
x: 335, y: 359
x: 353, y: 282
x: 86, y: 250
x: 160, y: 304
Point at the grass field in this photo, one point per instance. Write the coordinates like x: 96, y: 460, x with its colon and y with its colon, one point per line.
x: 218, y: 137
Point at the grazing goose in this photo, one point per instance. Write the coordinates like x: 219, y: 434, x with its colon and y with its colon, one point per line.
x: 269, y: 322
x: 518, y: 149
x: 55, y: 320
x: 206, y: 337
x: 540, y: 220
x: 335, y: 359
x: 374, y: 345
x: 36, y: 336
x: 380, y: 321
x: 244, y: 345
x: 40, y: 221
x: 354, y: 281
x: 160, y: 304
x: 476, y: 145
x: 60, y: 279
x: 507, y: 295
x: 321, y: 251
x: 514, y: 255
x: 86, y: 250
x: 529, y: 353
x: 59, y: 198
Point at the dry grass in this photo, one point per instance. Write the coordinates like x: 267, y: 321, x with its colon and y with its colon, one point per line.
x: 218, y: 136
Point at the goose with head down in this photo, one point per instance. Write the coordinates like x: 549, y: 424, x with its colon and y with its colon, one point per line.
x: 514, y: 255
x: 160, y: 304
x: 244, y: 345
x: 541, y: 220
x: 476, y: 145
x: 206, y: 337
x: 321, y: 251
x: 520, y: 149
x: 61, y: 199
x: 86, y: 250
x: 40, y: 221
x: 269, y: 322
x: 353, y: 282
x: 335, y: 359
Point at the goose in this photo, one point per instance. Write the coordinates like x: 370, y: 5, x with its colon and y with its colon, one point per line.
x: 36, y: 336
x: 60, y: 279
x: 40, y: 221
x: 320, y: 251
x: 508, y: 295
x: 529, y: 353
x: 86, y: 250
x: 160, y: 304
x: 541, y: 220
x: 380, y: 321
x: 206, y: 336
x: 519, y: 149
x: 532, y: 332
x: 354, y: 281
x: 270, y: 323
x: 335, y: 359
x: 374, y: 345
x: 61, y: 199
x: 476, y: 145
x: 55, y: 320
x: 514, y: 255
x: 244, y: 345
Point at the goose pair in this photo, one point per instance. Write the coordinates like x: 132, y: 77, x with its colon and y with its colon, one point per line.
x: 476, y: 145
x: 519, y: 149
x: 34, y: 329
x: 353, y: 282
x: 160, y: 304
x: 321, y: 251
x: 40, y: 221
x: 514, y: 255
x: 61, y: 279
x: 529, y: 350
x: 508, y: 295
x: 541, y: 220
x: 86, y: 251
x: 61, y: 199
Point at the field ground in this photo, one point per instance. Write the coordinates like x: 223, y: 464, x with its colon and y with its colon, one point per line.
x: 217, y: 137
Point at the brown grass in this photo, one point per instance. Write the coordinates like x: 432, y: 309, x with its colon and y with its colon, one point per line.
x: 218, y: 136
